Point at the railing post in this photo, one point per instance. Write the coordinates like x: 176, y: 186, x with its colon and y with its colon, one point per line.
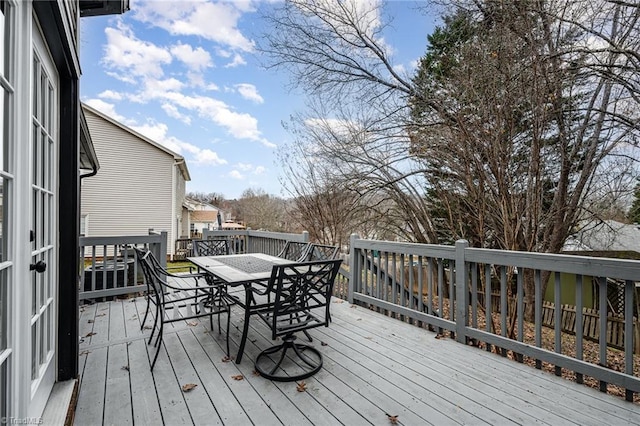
x: 163, y: 249
x: 462, y: 291
x: 355, y: 272
x: 305, y: 236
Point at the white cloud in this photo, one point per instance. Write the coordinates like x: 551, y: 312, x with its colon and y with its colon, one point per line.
x: 157, y: 132
x: 132, y: 57
x: 215, y: 21
x: 173, y: 112
x: 206, y: 156
x: 236, y: 175
x: 259, y: 170
x: 195, y: 59
x: 244, y: 166
x: 105, y: 107
x: 237, y: 61
x: 250, y: 92
x: 110, y: 94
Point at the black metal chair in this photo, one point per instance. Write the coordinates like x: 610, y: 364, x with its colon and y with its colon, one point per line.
x: 179, y: 297
x: 322, y: 252
x: 296, y: 251
x: 301, y: 300
x: 210, y: 247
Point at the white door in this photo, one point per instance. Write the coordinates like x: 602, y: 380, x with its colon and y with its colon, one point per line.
x: 28, y: 182
x: 7, y: 185
x: 43, y: 178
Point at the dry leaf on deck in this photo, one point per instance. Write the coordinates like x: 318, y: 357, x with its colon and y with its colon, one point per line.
x: 101, y: 315
x: 90, y: 321
x: 188, y: 387
x: 125, y: 367
x: 302, y: 386
x: 439, y: 336
x: 338, y: 301
x: 84, y: 353
x: 392, y: 419
x: 192, y: 324
x: 256, y: 373
x: 238, y: 377
x: 323, y: 343
x: 227, y: 358
x: 90, y: 334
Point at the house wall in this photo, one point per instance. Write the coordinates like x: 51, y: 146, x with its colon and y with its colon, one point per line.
x: 133, y: 190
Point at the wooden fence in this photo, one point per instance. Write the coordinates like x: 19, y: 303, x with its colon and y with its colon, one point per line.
x: 591, y: 325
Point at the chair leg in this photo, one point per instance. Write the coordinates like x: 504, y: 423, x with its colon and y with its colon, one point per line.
x: 306, y: 362
x: 146, y: 313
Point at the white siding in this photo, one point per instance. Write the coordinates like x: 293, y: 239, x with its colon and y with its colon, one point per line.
x: 133, y: 190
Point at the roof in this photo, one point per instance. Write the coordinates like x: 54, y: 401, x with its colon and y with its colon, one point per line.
x: 204, y: 216
x: 232, y: 225
x: 608, y: 235
x: 179, y: 159
x: 88, y: 157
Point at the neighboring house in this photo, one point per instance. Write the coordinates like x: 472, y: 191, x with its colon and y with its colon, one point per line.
x: 44, y: 152
x: 204, y: 216
x: 606, y: 238
x: 140, y: 186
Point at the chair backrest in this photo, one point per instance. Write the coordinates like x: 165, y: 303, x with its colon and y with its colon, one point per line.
x: 147, y: 262
x: 294, y: 250
x: 323, y: 252
x: 210, y: 247
x: 302, y: 295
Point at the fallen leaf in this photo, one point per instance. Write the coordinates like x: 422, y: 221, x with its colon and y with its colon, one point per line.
x: 302, y: 386
x: 359, y: 319
x: 188, y: 387
x: 90, y: 321
x: 393, y: 419
x: 84, y: 353
x: 439, y: 336
x: 125, y: 367
x: 352, y: 306
x: 256, y: 373
x: 368, y: 337
x: 323, y: 343
x: 338, y: 301
x: 227, y: 358
x: 91, y: 333
x: 101, y: 315
x: 192, y: 324
x: 147, y: 327
x: 238, y: 377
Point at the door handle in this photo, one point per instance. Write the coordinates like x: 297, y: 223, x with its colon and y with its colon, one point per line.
x: 39, y: 266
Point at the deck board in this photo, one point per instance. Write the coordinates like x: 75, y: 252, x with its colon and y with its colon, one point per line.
x: 374, y: 366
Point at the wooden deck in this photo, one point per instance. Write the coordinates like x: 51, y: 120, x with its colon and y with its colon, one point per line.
x: 374, y: 367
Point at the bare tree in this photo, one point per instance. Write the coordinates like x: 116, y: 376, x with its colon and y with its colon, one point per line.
x: 259, y: 210
x: 511, y: 126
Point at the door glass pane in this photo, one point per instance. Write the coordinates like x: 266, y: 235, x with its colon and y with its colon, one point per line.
x: 3, y: 312
x: 36, y: 70
x: 3, y: 223
x: 34, y: 351
x: 4, y: 400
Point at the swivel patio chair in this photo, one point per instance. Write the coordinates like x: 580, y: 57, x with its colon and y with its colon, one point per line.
x: 294, y: 250
x: 322, y: 252
x: 210, y: 247
x: 173, y: 293
x: 302, y: 295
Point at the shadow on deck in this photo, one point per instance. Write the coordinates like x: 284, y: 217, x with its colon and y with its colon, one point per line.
x: 374, y: 367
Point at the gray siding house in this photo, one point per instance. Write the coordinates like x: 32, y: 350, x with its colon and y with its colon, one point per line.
x: 140, y: 185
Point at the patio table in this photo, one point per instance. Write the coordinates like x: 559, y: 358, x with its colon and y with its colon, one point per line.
x: 240, y: 270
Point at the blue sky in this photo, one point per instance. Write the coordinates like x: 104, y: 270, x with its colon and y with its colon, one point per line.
x: 186, y: 74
